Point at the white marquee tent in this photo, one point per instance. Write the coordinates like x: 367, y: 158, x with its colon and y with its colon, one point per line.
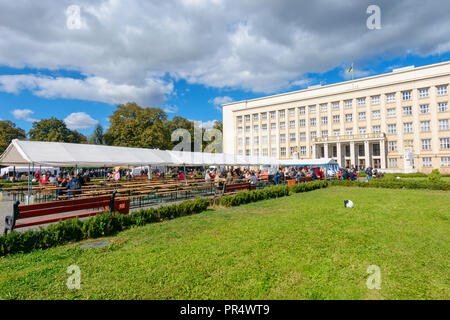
x: 308, y: 162
x: 57, y: 154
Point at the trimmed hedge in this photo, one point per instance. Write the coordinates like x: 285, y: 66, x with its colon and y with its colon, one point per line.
x: 395, y: 184
x: 103, y: 224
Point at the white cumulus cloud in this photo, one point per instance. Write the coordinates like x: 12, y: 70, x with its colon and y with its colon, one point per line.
x: 23, y: 114
x: 79, y: 120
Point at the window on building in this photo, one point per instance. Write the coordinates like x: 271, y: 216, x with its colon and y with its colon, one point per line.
x: 292, y: 112
x: 292, y: 150
x: 247, y: 152
x: 362, y: 116
x: 392, y: 128
x: 426, y: 162
x: 407, y: 111
x: 426, y: 144
x: 312, y: 122
x: 247, y: 128
x: 336, y: 119
x: 313, y: 134
x: 323, y: 107
x: 273, y: 139
x: 256, y: 152
x: 264, y: 116
x: 247, y: 118
x: 424, y: 108
x: 302, y: 136
x: 264, y: 127
x: 302, y: 122
x: 444, y: 143
x: 406, y: 95
x: 335, y: 105
x: 292, y: 124
x: 390, y: 97
x: 393, y: 163
x: 348, y: 104
x: 442, y: 106
x: 239, y: 130
x: 425, y: 126
x: 312, y: 109
x: 239, y: 119
x: 255, y: 128
x: 292, y: 137
x: 282, y: 113
x: 443, y: 124
x: 247, y: 140
x: 348, y: 117
x: 376, y: 129
x: 391, y: 112
x: 273, y: 126
x: 324, y: 120
x: 282, y: 125
x: 375, y: 100
x: 349, y: 131
x: 303, y: 150
x: 407, y: 127
x: 337, y: 132
x: 361, y: 150
x: 264, y: 139
x: 362, y: 130
x: 272, y: 115
x: 274, y: 152
x: 376, y: 149
x: 256, y: 140
x: 302, y: 110
x: 282, y: 138
x: 445, y: 161
x: 376, y: 114
x: 283, y: 151
x: 423, y: 93
x: 361, y: 102
x: 240, y: 142
x: 255, y: 117
x: 442, y: 90
x: 324, y: 133
x: 408, y: 143
x: 265, y: 152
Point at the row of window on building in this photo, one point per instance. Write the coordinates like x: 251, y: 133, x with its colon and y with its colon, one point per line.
x: 444, y: 144
x: 426, y: 162
x: 424, y: 108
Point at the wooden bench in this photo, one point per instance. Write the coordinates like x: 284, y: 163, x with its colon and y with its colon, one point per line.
x: 236, y: 187
x: 305, y: 179
x: 47, y: 209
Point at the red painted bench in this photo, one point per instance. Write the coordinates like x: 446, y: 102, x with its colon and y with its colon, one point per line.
x: 47, y: 209
x: 236, y: 187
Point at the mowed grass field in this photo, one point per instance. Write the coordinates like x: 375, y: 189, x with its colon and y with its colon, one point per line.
x: 305, y: 246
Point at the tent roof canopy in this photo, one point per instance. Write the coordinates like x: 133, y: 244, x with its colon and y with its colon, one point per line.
x: 308, y: 162
x: 58, y: 154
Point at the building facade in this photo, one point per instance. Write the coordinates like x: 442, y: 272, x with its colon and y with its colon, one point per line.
x: 397, y: 121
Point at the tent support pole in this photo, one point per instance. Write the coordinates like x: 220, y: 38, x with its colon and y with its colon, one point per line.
x: 185, y: 173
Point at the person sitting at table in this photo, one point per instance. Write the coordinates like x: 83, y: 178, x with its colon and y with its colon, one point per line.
x: 181, y: 176
x: 73, y: 185
x: 43, y: 180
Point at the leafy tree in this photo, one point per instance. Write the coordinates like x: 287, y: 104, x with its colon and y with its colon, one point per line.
x: 97, y: 136
x: 218, y: 125
x: 8, y: 132
x: 54, y: 130
x: 135, y: 126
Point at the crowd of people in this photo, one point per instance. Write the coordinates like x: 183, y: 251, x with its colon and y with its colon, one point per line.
x: 353, y: 173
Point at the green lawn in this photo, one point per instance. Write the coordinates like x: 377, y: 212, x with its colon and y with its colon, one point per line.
x: 306, y: 246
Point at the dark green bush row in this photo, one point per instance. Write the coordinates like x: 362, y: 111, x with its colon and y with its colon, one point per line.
x: 244, y: 197
x: 103, y: 224
x: 309, y: 186
x: 396, y: 184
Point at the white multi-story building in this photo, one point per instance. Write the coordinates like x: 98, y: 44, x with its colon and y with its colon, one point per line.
x: 395, y: 120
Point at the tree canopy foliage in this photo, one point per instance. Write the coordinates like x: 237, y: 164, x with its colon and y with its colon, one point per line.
x: 8, y: 132
x: 54, y: 130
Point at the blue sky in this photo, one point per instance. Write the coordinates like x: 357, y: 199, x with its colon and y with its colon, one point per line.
x: 188, y: 56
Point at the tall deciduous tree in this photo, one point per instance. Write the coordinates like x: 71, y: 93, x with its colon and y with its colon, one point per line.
x: 54, y: 130
x: 134, y: 126
x: 8, y: 132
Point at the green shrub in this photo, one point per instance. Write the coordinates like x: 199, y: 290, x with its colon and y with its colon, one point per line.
x: 396, y: 184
